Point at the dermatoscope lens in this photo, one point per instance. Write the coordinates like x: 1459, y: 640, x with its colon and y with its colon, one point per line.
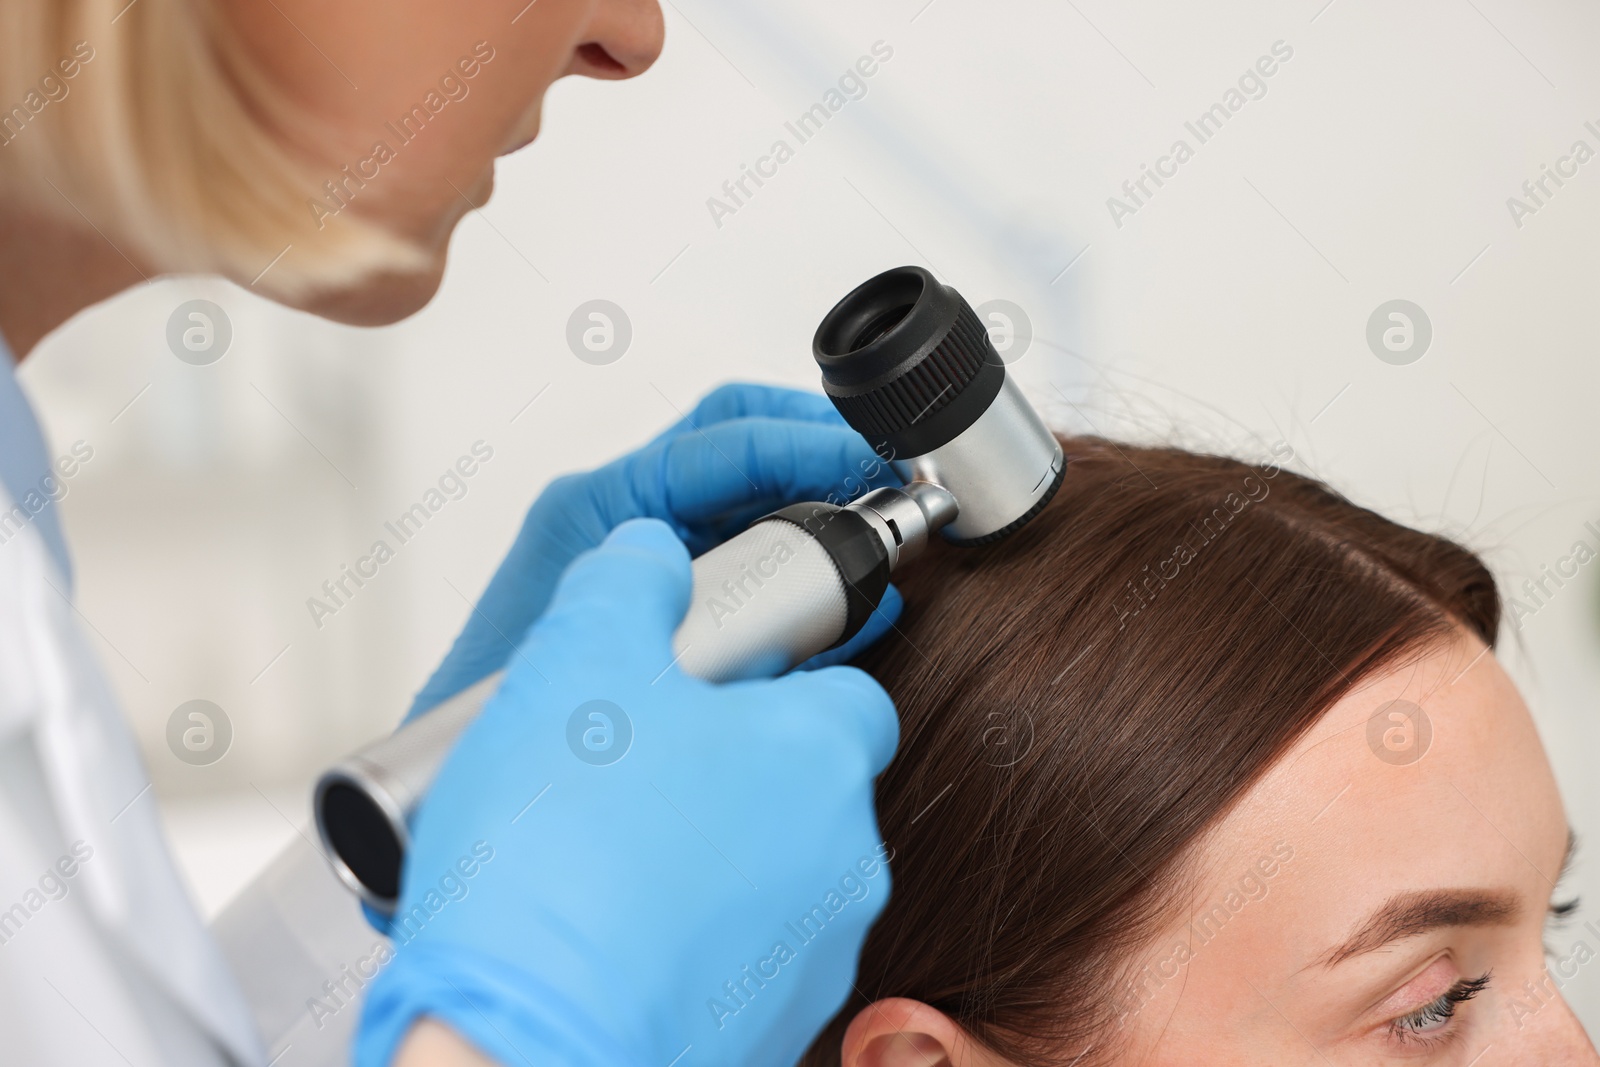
x: 879, y: 326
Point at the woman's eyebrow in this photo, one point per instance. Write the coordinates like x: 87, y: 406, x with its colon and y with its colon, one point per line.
x: 1410, y: 914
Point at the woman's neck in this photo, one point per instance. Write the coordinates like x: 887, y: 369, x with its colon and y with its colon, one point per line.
x: 50, y: 270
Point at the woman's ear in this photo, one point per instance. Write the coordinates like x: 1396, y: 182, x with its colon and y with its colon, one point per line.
x: 907, y: 1033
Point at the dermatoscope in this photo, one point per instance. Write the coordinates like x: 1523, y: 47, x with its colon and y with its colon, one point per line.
x: 911, y: 368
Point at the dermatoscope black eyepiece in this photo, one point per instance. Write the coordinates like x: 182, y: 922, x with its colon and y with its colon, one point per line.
x: 911, y: 368
x: 907, y: 362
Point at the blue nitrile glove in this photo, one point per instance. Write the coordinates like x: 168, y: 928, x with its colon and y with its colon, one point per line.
x: 622, y: 865
x: 745, y: 450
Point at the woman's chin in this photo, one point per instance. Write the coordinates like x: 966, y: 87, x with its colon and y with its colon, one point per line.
x: 379, y: 300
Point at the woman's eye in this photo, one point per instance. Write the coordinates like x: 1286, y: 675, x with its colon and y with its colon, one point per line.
x: 1430, y: 1018
x: 1433, y: 1018
x: 1560, y: 915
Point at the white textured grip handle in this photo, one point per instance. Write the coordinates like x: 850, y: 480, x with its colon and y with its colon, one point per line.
x: 763, y: 602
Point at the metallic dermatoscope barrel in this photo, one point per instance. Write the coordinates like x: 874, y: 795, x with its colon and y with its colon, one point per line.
x: 909, y: 365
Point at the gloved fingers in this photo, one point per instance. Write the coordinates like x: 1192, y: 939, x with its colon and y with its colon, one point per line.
x: 851, y: 706
x: 709, y: 485
x: 740, y: 400
x: 752, y: 465
x: 628, y: 596
x: 881, y: 622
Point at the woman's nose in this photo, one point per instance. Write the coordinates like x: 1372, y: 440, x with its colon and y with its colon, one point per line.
x: 1553, y: 1038
x: 622, y: 40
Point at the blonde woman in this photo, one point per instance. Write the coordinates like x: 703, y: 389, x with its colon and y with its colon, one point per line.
x: 322, y: 154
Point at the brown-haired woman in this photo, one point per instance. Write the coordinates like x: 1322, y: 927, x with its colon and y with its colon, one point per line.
x: 1208, y: 765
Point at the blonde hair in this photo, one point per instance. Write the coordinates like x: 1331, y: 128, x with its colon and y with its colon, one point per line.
x: 148, y: 119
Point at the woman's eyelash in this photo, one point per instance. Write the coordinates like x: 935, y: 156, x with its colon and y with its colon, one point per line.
x: 1432, y: 1017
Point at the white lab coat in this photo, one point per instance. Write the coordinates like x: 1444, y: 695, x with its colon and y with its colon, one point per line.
x: 110, y: 964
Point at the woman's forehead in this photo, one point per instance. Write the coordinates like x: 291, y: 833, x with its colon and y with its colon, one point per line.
x: 1430, y: 775
x: 1357, y: 857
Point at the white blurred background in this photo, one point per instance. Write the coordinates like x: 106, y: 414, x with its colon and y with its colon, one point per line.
x: 1229, y: 311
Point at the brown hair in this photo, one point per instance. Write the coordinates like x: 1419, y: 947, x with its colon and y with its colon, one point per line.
x: 1081, y: 702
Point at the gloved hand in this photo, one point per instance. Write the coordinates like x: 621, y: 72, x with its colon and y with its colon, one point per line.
x: 745, y: 450
x: 682, y: 874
